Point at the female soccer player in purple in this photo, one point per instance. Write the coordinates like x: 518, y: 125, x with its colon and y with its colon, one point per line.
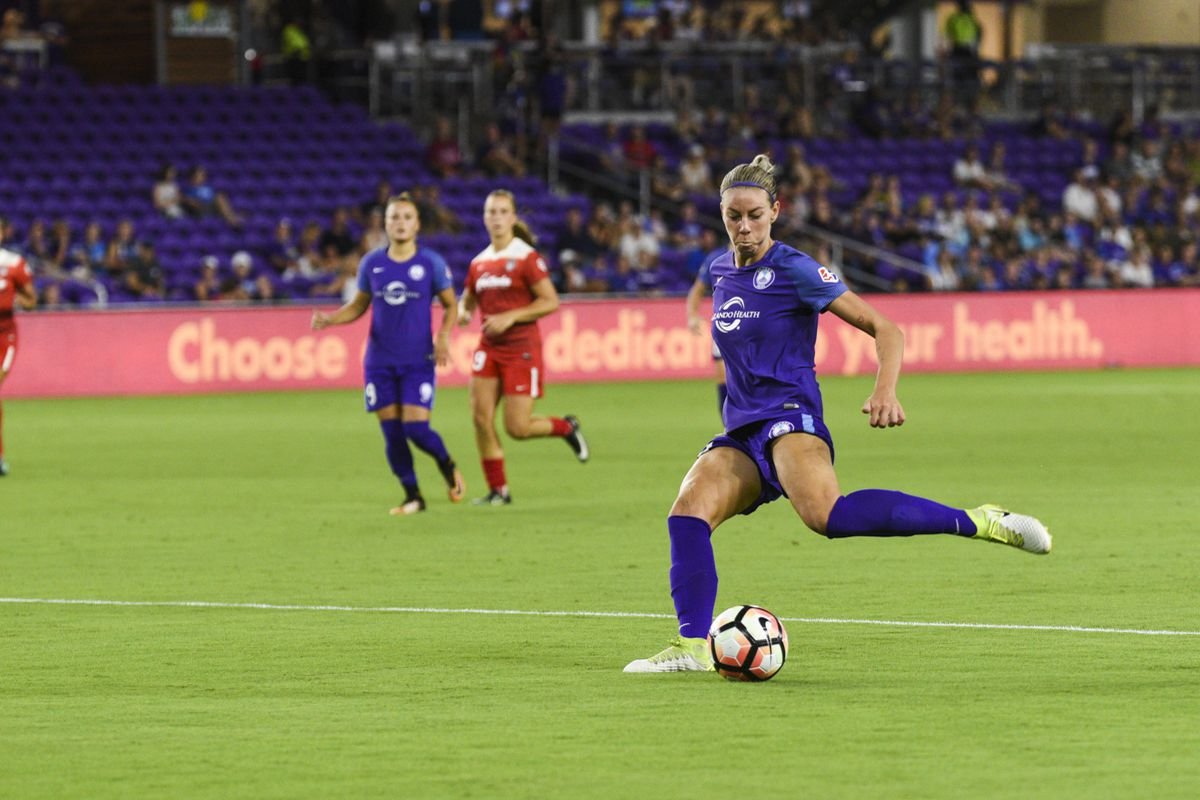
x: 399, y: 283
x: 766, y: 299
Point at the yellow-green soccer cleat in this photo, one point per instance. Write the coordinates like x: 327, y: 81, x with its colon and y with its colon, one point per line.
x: 683, y: 655
x: 994, y: 524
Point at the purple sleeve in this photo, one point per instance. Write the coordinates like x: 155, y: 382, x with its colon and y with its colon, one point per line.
x: 440, y: 280
x: 815, y: 285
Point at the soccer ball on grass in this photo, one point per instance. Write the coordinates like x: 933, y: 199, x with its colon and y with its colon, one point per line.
x: 747, y: 643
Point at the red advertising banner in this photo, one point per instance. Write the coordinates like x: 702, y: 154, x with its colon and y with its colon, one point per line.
x: 209, y: 349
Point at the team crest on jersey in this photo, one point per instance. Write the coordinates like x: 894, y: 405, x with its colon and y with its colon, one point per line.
x: 510, y: 265
x: 763, y: 277
x: 780, y: 428
x: 416, y: 272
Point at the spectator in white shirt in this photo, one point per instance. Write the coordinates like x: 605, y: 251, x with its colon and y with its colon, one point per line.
x: 1079, y: 198
x: 1147, y: 161
x: 1137, y: 271
x: 969, y: 171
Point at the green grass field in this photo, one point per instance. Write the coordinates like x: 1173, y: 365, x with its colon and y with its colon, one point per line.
x: 281, y: 500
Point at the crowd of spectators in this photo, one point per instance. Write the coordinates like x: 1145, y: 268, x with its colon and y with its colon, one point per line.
x: 1125, y: 219
x: 1129, y: 215
x: 318, y: 259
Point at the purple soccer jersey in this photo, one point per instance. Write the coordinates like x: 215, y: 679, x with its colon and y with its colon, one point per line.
x: 401, y: 295
x: 765, y: 323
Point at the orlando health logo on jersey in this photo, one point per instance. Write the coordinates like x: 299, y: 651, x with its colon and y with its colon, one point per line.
x: 729, y: 316
x: 397, y: 292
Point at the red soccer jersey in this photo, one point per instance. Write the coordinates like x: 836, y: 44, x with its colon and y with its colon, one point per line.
x: 14, y: 275
x: 503, y: 280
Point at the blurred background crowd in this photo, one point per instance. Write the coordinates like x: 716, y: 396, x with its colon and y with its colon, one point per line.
x: 920, y: 146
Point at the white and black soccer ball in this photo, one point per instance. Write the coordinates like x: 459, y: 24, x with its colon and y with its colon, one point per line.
x: 747, y: 643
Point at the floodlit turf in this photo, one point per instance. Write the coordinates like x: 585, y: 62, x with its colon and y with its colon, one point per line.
x: 281, y: 499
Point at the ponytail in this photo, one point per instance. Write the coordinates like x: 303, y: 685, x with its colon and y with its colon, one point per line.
x: 522, y: 231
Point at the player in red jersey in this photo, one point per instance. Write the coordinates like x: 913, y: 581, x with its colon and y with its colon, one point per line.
x: 16, y: 288
x: 511, y: 286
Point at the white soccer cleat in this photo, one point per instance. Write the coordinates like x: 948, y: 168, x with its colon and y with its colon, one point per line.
x: 414, y: 506
x: 683, y: 655
x: 994, y: 524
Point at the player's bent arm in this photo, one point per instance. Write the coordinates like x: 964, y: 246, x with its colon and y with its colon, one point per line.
x: 441, y: 344
x: 466, y: 306
x: 882, y: 406
x: 351, y: 311
x: 27, y: 297
x: 694, y: 294
x: 545, y: 301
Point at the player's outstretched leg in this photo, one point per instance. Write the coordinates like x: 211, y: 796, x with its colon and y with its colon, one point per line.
x: 882, y: 512
x: 995, y: 524
x: 575, y: 439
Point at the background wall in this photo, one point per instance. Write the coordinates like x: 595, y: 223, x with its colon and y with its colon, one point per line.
x: 1143, y: 22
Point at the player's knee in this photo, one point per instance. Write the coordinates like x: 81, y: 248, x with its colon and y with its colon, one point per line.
x: 691, y: 504
x: 517, y: 429
x: 483, y: 419
x: 815, y: 519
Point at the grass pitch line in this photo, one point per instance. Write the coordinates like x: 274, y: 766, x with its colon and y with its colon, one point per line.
x: 511, y: 612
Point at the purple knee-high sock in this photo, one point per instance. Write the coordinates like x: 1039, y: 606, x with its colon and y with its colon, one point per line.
x: 427, y: 439
x: 693, y: 574
x: 399, y: 455
x: 880, y: 512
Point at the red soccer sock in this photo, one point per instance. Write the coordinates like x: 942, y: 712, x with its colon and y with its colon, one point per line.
x: 559, y: 426
x: 493, y: 470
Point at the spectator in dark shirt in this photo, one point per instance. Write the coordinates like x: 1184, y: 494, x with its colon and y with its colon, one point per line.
x: 571, y: 275
x: 434, y: 215
x: 283, y: 252
x: 573, y: 236
x: 383, y: 191
x: 639, y: 150
x: 121, y: 251
x: 338, y: 236
x: 444, y: 156
x: 144, y: 277
x: 246, y: 283
x: 208, y: 286
x: 202, y: 200
x: 495, y: 156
